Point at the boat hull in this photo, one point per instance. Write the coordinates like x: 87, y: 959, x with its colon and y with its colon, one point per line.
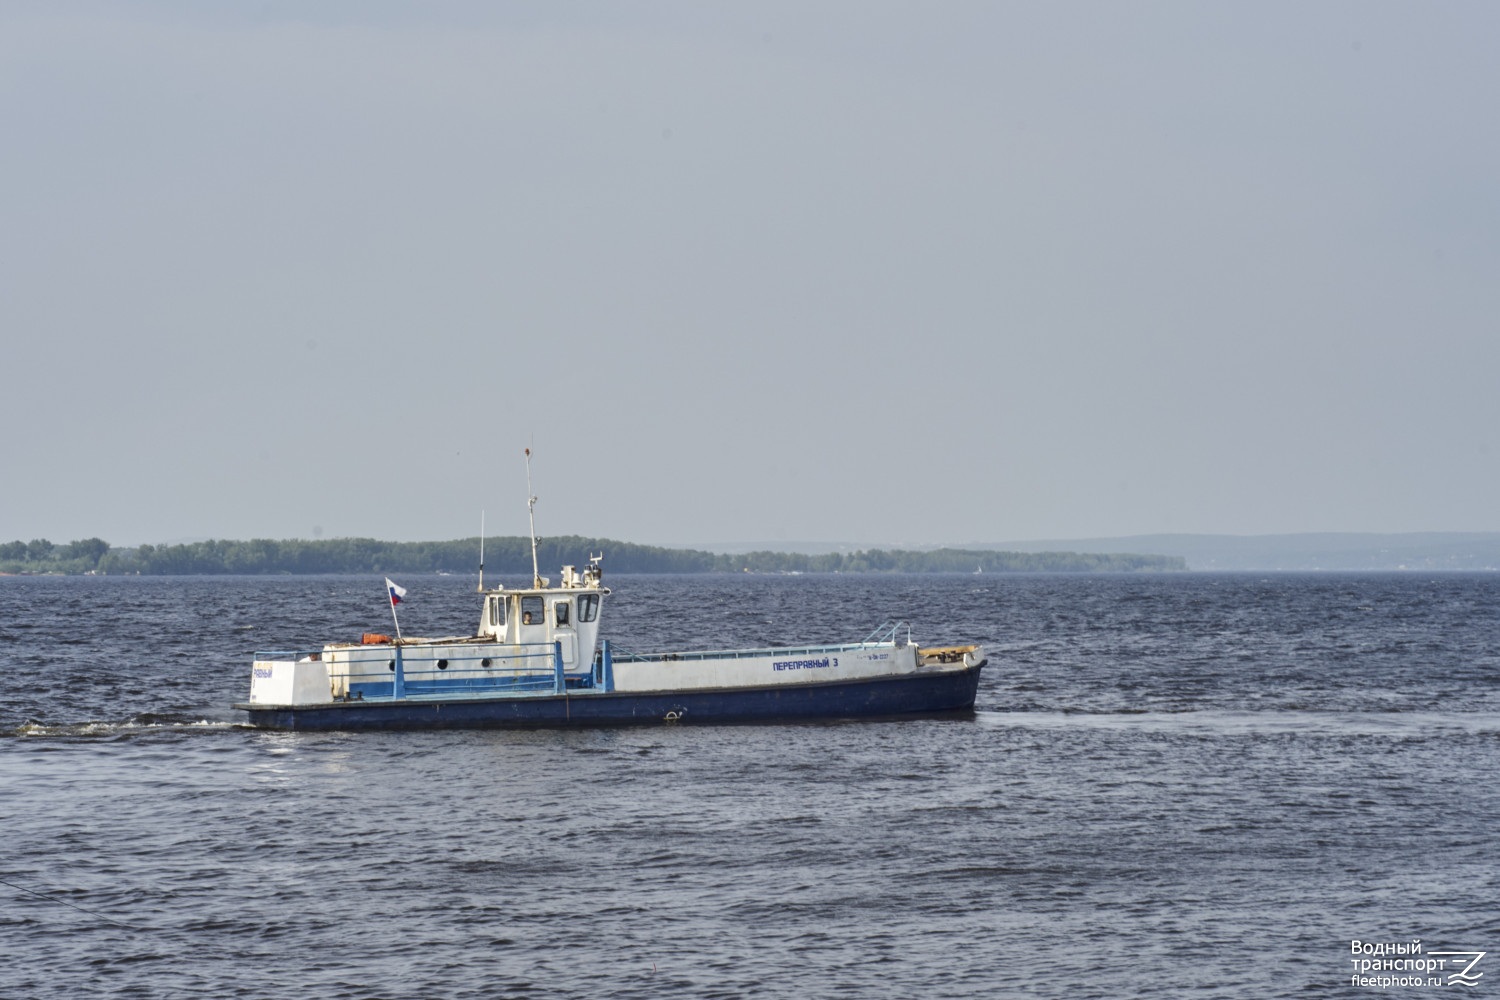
x: 921, y: 693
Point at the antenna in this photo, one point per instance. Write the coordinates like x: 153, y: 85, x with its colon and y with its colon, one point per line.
x: 481, y: 551
x: 536, y: 574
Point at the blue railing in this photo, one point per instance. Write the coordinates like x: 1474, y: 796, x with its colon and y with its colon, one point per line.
x: 746, y: 654
x: 526, y: 668
x: 886, y: 632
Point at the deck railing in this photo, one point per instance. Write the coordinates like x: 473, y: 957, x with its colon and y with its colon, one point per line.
x: 383, y: 672
x: 883, y: 635
x: 886, y: 632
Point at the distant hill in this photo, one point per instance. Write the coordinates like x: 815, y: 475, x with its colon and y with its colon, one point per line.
x: 512, y: 555
x: 1329, y: 551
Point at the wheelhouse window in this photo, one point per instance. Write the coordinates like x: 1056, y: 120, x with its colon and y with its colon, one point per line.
x: 497, y: 612
x: 533, y: 611
x: 561, y: 613
x: 588, y: 607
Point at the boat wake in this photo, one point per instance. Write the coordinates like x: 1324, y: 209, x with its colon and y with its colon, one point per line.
x: 137, y: 726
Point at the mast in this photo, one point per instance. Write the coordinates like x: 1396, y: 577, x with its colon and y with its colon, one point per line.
x: 536, y: 574
x: 481, y: 551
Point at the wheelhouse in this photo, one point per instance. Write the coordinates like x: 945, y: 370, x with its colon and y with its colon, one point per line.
x: 567, y: 614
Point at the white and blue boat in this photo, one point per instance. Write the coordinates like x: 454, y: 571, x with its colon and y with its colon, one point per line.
x: 537, y: 660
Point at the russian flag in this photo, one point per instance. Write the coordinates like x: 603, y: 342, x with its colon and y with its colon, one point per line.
x: 396, y: 592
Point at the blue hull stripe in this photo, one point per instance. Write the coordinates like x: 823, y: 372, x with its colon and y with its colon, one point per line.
x: 910, y: 694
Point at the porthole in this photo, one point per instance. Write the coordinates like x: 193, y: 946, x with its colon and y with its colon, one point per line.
x: 442, y: 664
x: 484, y: 662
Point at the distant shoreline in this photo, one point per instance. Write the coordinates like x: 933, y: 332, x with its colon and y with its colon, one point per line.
x: 1329, y: 551
x: 512, y: 555
x: 1301, y: 553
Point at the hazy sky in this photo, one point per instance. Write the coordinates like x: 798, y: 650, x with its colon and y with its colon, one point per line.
x: 940, y: 272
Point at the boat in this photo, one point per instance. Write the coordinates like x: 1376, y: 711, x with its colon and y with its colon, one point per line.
x: 537, y: 660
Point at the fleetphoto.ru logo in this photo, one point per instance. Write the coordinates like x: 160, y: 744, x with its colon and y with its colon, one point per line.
x: 1381, y: 965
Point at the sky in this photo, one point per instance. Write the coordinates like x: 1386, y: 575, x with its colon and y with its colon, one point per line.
x: 886, y: 273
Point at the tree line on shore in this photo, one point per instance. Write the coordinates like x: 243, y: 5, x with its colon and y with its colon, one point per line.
x: 512, y: 555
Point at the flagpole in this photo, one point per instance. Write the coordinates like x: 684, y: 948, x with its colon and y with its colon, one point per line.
x: 390, y: 596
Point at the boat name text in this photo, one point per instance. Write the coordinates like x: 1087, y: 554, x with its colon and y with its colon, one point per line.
x: 805, y: 664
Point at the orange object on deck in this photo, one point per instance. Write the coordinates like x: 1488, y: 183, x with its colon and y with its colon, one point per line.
x: 374, y: 639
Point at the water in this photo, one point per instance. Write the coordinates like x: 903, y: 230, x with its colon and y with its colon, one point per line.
x: 1172, y: 786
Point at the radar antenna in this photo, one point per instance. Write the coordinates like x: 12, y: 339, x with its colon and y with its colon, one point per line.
x: 594, y: 575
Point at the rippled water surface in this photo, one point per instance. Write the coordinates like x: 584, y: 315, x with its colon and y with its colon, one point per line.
x: 1172, y: 785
